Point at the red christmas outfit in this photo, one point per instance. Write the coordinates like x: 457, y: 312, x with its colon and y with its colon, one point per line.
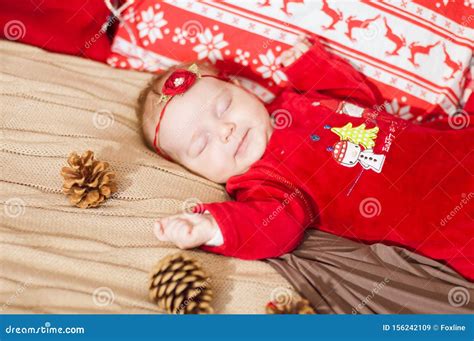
x: 364, y: 175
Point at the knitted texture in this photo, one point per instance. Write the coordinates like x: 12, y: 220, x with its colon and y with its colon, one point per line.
x: 67, y: 260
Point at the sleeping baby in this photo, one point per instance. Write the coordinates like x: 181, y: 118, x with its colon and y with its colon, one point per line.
x: 321, y: 155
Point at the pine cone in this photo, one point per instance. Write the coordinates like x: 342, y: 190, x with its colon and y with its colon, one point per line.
x: 87, y: 182
x: 300, y: 307
x: 179, y: 285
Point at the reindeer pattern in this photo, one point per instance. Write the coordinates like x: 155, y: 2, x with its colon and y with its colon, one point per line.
x: 416, y: 52
x: 353, y: 22
x: 454, y: 66
x: 398, y: 40
x: 334, y: 14
x: 417, y: 48
x: 284, y: 6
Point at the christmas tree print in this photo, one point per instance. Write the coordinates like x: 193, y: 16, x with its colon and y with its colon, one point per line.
x: 357, y: 135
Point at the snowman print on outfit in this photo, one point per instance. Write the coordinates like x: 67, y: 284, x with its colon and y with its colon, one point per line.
x: 356, y: 145
x: 349, y: 154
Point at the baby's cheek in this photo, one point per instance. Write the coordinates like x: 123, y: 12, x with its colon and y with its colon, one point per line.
x: 220, y: 159
x: 222, y: 162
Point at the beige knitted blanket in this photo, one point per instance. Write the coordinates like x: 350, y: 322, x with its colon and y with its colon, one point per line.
x: 55, y: 258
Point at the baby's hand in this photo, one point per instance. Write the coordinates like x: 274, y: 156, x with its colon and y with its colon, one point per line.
x: 187, y: 230
x: 301, y: 46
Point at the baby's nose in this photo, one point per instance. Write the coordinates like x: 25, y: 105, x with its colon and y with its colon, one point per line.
x: 226, y: 131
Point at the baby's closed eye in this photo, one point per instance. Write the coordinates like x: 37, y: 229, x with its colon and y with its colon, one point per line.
x: 198, y: 146
x: 224, y: 102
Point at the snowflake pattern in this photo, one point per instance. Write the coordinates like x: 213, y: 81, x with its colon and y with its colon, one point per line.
x: 270, y: 67
x: 129, y: 15
x: 210, y: 46
x: 241, y: 57
x: 469, y: 3
x: 151, y: 25
x: 395, y: 109
x: 180, y: 36
x: 136, y: 63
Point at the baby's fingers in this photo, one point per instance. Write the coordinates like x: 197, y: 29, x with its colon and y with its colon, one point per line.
x: 159, y: 231
x: 163, y: 226
x: 178, y: 229
x: 181, y: 234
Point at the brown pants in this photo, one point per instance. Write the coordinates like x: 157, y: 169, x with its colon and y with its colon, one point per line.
x: 340, y: 276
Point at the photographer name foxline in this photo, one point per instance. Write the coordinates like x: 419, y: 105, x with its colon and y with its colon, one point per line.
x: 400, y: 327
x: 452, y: 328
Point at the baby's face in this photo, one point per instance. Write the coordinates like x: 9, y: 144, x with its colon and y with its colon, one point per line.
x: 215, y: 129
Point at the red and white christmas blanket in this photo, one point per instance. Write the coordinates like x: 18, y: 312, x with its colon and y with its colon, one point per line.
x: 418, y: 53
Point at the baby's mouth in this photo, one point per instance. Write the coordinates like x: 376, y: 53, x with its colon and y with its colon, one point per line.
x: 242, y: 146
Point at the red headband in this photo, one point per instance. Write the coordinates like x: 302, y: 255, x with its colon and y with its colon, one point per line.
x: 177, y: 83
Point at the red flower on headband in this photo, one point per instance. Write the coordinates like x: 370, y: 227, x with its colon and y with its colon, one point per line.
x: 178, y: 82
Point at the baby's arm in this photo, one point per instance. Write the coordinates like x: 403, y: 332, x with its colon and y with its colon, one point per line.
x: 316, y: 69
x: 266, y: 222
